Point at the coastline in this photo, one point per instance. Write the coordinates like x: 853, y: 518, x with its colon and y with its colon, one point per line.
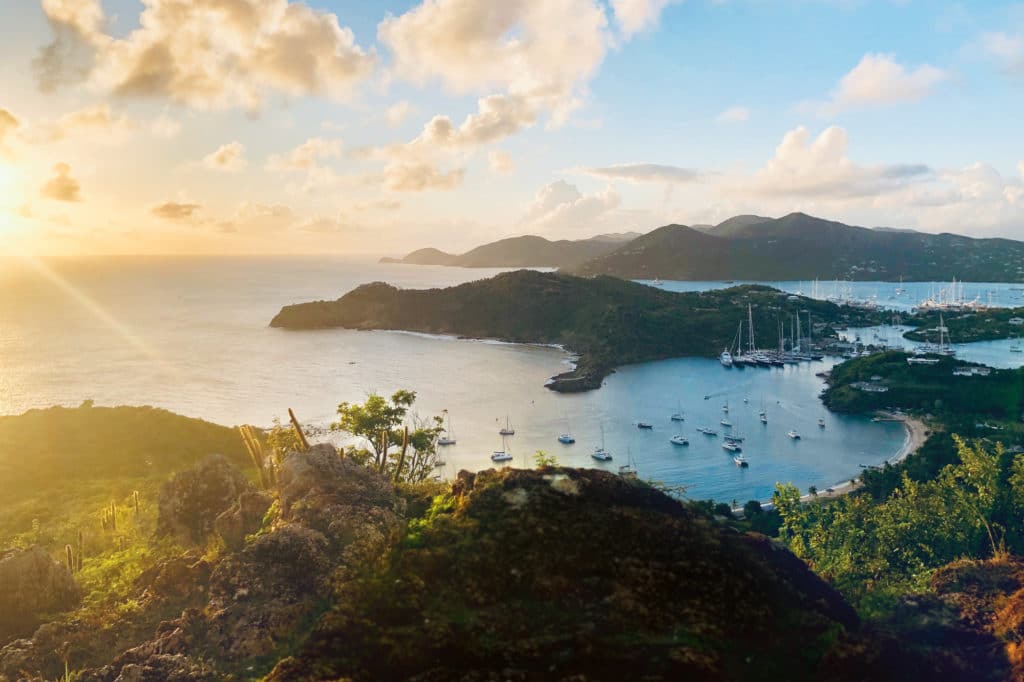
x: 917, y: 433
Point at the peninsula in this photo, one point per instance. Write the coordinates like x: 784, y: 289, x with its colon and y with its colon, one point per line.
x: 606, y: 321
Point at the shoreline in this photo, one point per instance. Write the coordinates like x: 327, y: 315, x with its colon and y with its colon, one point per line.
x: 917, y: 433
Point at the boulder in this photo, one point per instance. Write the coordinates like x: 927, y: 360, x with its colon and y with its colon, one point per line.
x: 32, y: 584
x: 244, y: 518
x: 190, y: 503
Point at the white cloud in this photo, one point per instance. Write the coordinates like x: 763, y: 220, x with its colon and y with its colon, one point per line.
x: 95, y: 124
x: 820, y: 169
x: 539, y: 49
x: 500, y: 161
x: 62, y: 186
x: 1020, y: 168
x: 175, y: 211
x: 306, y: 156
x: 734, y: 115
x: 645, y: 172
x: 164, y: 126
x: 397, y: 113
x: 227, y: 158
x: 420, y: 177
x: 1006, y: 49
x: 634, y: 16
x: 207, y: 54
x: 880, y: 80
x: 560, y: 208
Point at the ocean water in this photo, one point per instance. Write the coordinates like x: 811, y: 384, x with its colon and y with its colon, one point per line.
x: 191, y: 335
x: 884, y: 294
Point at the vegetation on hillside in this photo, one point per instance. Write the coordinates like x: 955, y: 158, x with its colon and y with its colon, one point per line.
x: 876, y: 551
x: 932, y: 388
x: 799, y: 246
x: 607, y: 321
x: 985, y: 324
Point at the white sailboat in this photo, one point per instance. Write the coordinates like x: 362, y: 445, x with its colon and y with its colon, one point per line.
x: 679, y: 439
x: 502, y: 455
x: 567, y: 437
x: 449, y: 436
x: 601, y: 454
x: 507, y: 430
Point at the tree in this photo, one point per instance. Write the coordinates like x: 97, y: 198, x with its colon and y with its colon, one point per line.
x: 385, y: 424
x: 544, y: 460
x: 813, y: 491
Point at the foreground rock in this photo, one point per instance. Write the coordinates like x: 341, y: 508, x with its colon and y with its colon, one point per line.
x: 334, y: 517
x: 191, y: 501
x: 575, y: 574
x: 32, y: 585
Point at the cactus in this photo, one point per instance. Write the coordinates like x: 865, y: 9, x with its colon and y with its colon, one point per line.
x: 135, y: 499
x: 70, y: 554
x: 256, y: 454
x: 298, y: 429
x: 113, y: 516
x: 81, y: 549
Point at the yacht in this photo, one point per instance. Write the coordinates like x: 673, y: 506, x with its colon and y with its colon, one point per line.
x: 566, y: 439
x: 725, y: 358
x: 793, y: 434
x: 501, y: 456
x: 731, y: 447
x: 733, y: 438
x: 678, y: 439
x: 725, y: 407
x: 507, y: 430
x: 821, y: 423
x: 627, y: 471
x: 741, y: 461
x: 763, y: 417
x: 644, y: 425
x: 706, y: 431
x: 726, y: 423
x: 449, y: 436
x: 678, y: 417
x: 1016, y: 347
x: 599, y: 453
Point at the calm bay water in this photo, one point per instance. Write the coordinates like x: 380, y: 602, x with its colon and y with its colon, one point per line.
x: 191, y: 335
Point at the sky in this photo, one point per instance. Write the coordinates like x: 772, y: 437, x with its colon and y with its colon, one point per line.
x: 377, y: 127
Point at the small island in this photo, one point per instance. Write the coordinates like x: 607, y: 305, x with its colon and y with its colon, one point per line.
x: 606, y: 322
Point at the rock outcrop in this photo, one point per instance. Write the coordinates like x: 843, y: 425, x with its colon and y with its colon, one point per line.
x: 190, y: 503
x: 32, y: 584
x: 575, y: 574
x: 261, y: 597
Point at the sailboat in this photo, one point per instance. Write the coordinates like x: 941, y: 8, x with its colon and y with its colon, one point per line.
x: 679, y: 439
x: 601, y: 454
x: 793, y: 434
x: 449, y: 436
x: 731, y: 447
x: 507, y: 430
x: 740, y: 461
x: 762, y: 415
x: 628, y: 470
x: 1015, y: 347
x: 502, y: 455
x: 566, y: 438
x: 678, y: 416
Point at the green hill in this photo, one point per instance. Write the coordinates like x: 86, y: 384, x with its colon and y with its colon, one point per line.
x: 607, y: 321
x: 799, y: 246
x: 520, y: 252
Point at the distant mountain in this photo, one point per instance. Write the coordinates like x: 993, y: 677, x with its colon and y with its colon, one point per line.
x: 522, y: 252
x: 799, y: 246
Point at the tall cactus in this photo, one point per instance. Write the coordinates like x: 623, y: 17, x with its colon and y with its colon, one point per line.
x: 70, y: 554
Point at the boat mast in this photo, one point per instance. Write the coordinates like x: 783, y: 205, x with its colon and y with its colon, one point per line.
x: 750, y: 326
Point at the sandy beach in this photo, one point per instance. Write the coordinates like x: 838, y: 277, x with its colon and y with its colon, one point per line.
x: 917, y: 433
